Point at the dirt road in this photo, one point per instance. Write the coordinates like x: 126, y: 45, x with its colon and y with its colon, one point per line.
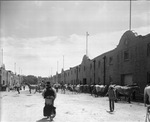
x: 70, y: 107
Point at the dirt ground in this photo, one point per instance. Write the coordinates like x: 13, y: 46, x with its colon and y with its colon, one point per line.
x: 26, y: 107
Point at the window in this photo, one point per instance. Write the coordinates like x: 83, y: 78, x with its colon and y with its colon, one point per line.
x: 148, y: 49
x: 126, y: 55
x: 110, y: 60
x: 126, y: 42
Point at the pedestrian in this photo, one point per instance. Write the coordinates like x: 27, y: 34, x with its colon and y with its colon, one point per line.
x: 24, y: 87
x: 112, y: 98
x: 147, y: 95
x: 18, y: 87
x: 147, y: 101
x: 49, y: 95
x: 56, y: 87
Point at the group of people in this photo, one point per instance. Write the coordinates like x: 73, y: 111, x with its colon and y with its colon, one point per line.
x: 49, y: 95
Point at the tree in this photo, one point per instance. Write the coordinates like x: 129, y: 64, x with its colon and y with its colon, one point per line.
x: 30, y: 79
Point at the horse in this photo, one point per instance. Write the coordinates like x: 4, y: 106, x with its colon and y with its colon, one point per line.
x: 77, y: 88
x: 91, y: 89
x: 56, y: 86
x: 86, y: 88
x: 36, y: 87
x: 147, y: 95
x: 100, y: 90
x: 70, y: 88
x: 126, y: 91
x: 63, y: 88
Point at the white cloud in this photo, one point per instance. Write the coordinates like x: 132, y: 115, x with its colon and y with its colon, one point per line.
x: 38, y: 3
x: 35, y: 52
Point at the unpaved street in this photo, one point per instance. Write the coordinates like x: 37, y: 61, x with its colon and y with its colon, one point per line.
x: 27, y: 107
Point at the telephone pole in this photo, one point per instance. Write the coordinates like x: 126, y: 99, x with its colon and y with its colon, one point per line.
x: 2, y: 57
x: 57, y: 66
x: 130, y: 17
x: 63, y: 62
x: 87, y: 34
x: 14, y: 68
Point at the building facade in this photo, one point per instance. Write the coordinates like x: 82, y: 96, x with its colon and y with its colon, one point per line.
x: 127, y: 64
x: 8, y: 79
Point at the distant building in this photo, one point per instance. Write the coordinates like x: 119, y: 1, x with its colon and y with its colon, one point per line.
x: 8, y: 79
x: 3, y: 78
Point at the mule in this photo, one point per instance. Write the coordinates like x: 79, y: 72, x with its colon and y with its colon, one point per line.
x: 77, y: 88
x: 100, y: 90
x: 126, y: 91
x: 33, y: 87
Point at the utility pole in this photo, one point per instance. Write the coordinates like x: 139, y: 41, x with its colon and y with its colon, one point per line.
x: 63, y: 70
x: 130, y: 17
x: 51, y: 71
x: 2, y: 56
x: 57, y: 73
x: 51, y: 76
x: 14, y: 68
x: 57, y: 66
x: 63, y: 62
x: 104, y: 69
x: 19, y: 70
x: 77, y: 75
x: 94, y: 70
x: 87, y: 34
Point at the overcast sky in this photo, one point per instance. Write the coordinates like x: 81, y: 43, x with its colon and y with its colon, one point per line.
x: 36, y: 35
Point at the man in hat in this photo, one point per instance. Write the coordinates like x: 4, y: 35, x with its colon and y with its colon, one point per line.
x: 49, y: 95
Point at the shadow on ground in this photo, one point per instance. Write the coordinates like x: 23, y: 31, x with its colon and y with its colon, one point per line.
x: 43, y: 120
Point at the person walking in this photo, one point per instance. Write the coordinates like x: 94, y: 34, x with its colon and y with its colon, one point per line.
x: 147, y: 102
x: 49, y: 95
x: 56, y: 87
x: 18, y: 87
x: 112, y: 97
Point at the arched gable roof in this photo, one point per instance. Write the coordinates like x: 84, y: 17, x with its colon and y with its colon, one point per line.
x: 128, y: 38
x: 85, y: 59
